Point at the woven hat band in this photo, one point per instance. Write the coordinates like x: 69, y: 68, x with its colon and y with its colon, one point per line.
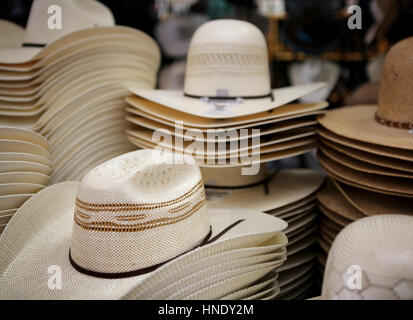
x: 394, y: 124
x: 137, y: 238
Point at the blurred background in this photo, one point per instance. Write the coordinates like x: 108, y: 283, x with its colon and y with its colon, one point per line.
x: 308, y: 40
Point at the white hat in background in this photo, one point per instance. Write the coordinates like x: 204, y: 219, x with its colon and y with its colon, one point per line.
x: 45, y: 26
x: 11, y: 34
x: 315, y: 70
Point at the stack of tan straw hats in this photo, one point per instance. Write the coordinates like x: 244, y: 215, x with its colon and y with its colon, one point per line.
x: 68, y: 84
x: 289, y: 194
x: 25, y: 169
x: 138, y: 226
x: 227, y: 87
x: 371, y: 259
x: 367, y: 151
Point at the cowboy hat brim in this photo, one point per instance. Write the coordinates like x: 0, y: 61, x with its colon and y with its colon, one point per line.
x: 177, y: 101
x: 374, y: 149
x: 24, y: 59
x: 286, y: 187
x: 358, y: 123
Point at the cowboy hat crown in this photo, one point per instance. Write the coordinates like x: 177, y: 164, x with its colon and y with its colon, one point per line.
x: 396, y: 94
x: 227, y: 58
x: 137, y: 211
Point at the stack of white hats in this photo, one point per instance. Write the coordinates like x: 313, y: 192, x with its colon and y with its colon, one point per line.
x: 24, y: 169
x: 289, y: 195
x: 71, y: 91
x: 227, y: 92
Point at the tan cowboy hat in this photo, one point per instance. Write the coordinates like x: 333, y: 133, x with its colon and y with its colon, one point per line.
x: 227, y: 75
x: 11, y: 34
x: 74, y: 15
x: 397, y: 186
x: 366, y: 157
x: 331, y: 200
x: 390, y: 152
x: 390, y: 123
x: 175, y: 229
x: 362, y: 166
x: 377, y: 250
x: 370, y: 204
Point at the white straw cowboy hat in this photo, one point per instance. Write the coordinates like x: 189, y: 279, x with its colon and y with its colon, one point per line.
x: 131, y: 215
x: 378, y: 252
x: 315, y: 70
x: 389, y: 124
x: 11, y: 34
x: 75, y: 15
x: 227, y: 75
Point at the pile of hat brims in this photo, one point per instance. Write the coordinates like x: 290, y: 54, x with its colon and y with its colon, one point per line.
x: 235, y: 269
x: 290, y: 195
x: 25, y: 167
x: 72, y: 93
x: 284, y: 132
x: 366, y: 179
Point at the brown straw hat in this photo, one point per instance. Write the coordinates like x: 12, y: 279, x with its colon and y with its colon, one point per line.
x: 391, y: 123
x: 386, y: 185
x: 340, y: 220
x: 383, y: 161
x: 361, y: 166
x: 330, y: 198
x: 370, y: 204
x: 395, y: 153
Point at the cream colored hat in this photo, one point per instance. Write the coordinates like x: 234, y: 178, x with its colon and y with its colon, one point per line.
x: 371, y: 259
x: 11, y: 34
x: 168, y: 116
x: 128, y: 216
x: 227, y: 75
x: 315, y: 70
x: 42, y: 27
x: 283, y: 188
x: 390, y: 123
